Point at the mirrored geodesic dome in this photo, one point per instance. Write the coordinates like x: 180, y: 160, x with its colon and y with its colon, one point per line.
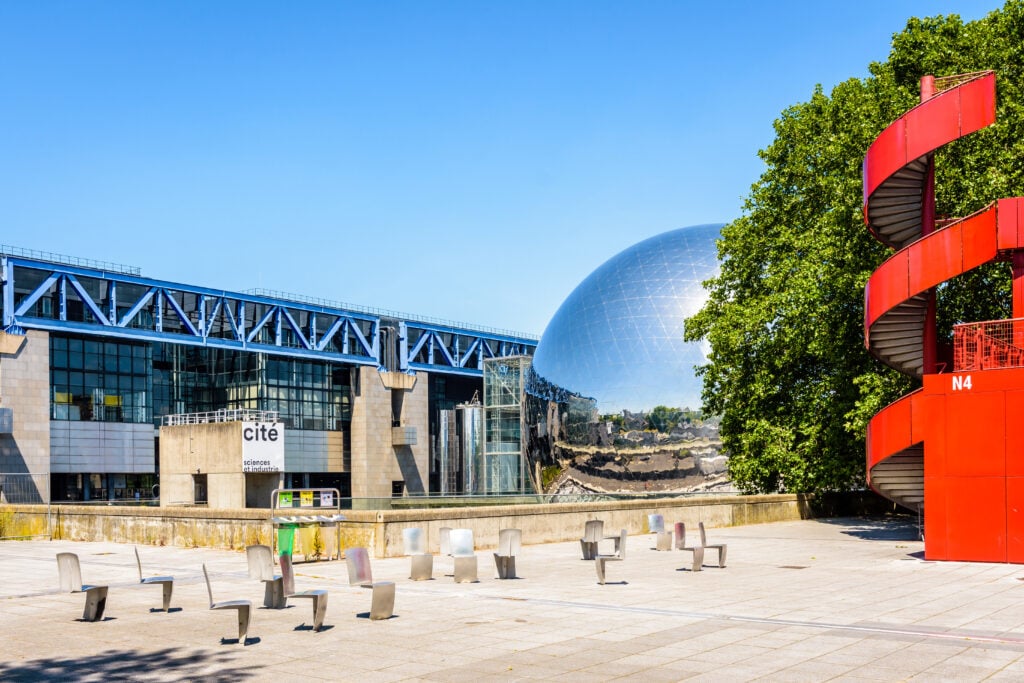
x: 617, y: 340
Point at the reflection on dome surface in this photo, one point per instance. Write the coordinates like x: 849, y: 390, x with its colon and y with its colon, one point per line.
x: 618, y: 338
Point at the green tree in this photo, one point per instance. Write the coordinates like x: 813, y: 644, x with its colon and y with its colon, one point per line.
x: 788, y: 371
x: 664, y: 419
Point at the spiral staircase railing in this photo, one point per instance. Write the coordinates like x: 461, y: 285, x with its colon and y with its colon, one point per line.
x: 899, y: 325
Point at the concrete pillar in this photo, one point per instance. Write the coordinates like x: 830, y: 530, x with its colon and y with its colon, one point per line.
x: 375, y: 462
x: 25, y: 388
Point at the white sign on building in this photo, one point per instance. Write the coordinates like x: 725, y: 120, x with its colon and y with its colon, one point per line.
x: 262, y: 446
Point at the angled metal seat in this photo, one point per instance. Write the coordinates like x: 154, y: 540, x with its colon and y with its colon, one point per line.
x: 167, y: 582
x: 382, y: 601
x: 317, y: 595
x: 421, y: 561
x: 509, y: 542
x: 656, y: 525
x: 261, y: 567
x: 720, y: 547
x: 243, y: 607
x: 592, y: 533
x: 697, y: 550
x: 620, y: 554
x: 463, y: 556
x: 70, y: 576
x: 359, y: 572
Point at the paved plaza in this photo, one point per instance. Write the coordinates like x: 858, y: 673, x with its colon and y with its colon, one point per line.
x: 822, y: 600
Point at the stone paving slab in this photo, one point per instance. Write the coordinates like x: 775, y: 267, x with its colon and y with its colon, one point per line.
x: 821, y: 600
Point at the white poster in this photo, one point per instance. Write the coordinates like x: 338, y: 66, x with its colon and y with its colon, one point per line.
x: 262, y: 446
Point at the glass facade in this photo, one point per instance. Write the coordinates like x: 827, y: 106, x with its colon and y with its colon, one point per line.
x: 617, y: 340
x: 311, y: 395
x: 504, y: 467
x: 102, y: 381
x: 119, y: 381
x: 118, y: 487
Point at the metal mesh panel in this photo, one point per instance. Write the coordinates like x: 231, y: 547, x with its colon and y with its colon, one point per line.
x: 988, y: 345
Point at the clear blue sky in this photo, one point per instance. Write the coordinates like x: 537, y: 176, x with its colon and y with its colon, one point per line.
x: 472, y: 161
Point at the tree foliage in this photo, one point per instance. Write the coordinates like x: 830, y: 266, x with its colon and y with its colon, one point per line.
x: 788, y: 371
x: 664, y: 419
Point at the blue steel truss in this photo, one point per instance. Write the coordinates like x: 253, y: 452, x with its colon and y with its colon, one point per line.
x: 436, y: 348
x: 59, y: 297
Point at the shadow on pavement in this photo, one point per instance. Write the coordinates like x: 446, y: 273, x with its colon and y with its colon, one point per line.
x: 894, y: 528
x: 168, y: 664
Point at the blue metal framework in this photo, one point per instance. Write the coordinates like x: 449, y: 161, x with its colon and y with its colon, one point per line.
x: 436, y: 348
x: 59, y: 297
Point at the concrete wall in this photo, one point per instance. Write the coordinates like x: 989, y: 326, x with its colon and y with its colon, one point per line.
x: 213, y: 449
x: 375, y: 462
x: 414, y: 461
x: 381, y: 531
x: 259, y: 486
x: 550, y: 523
x: 25, y: 388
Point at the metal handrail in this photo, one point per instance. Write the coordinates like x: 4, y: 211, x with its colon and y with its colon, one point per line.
x: 386, y: 313
x: 225, y: 415
x: 63, y: 259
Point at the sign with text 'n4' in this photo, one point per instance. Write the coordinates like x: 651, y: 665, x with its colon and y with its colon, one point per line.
x: 262, y: 446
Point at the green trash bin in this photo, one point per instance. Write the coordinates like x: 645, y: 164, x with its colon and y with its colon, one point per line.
x: 286, y: 540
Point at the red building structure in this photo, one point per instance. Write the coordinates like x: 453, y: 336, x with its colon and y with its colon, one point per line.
x: 955, y: 447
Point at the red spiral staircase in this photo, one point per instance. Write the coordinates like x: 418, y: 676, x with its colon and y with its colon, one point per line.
x: 951, y: 447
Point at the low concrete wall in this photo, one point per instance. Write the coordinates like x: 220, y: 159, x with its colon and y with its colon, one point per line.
x: 381, y: 531
x: 185, y: 527
x: 564, y: 521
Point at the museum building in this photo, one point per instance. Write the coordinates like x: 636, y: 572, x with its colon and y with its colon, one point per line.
x: 103, y: 370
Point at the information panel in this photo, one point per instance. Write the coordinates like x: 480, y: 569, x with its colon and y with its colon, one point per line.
x: 262, y: 446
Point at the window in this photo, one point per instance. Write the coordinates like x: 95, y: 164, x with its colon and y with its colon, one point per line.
x: 98, y: 381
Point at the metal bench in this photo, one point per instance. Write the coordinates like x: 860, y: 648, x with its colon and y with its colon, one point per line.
x: 720, y: 547
x: 382, y: 601
x: 463, y: 556
x: 509, y: 542
x: 243, y: 607
x: 317, y: 595
x: 592, y: 532
x: 261, y: 567
x: 620, y: 554
x: 697, y: 550
x: 421, y: 561
x: 656, y: 525
x: 167, y: 582
x: 70, y: 575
